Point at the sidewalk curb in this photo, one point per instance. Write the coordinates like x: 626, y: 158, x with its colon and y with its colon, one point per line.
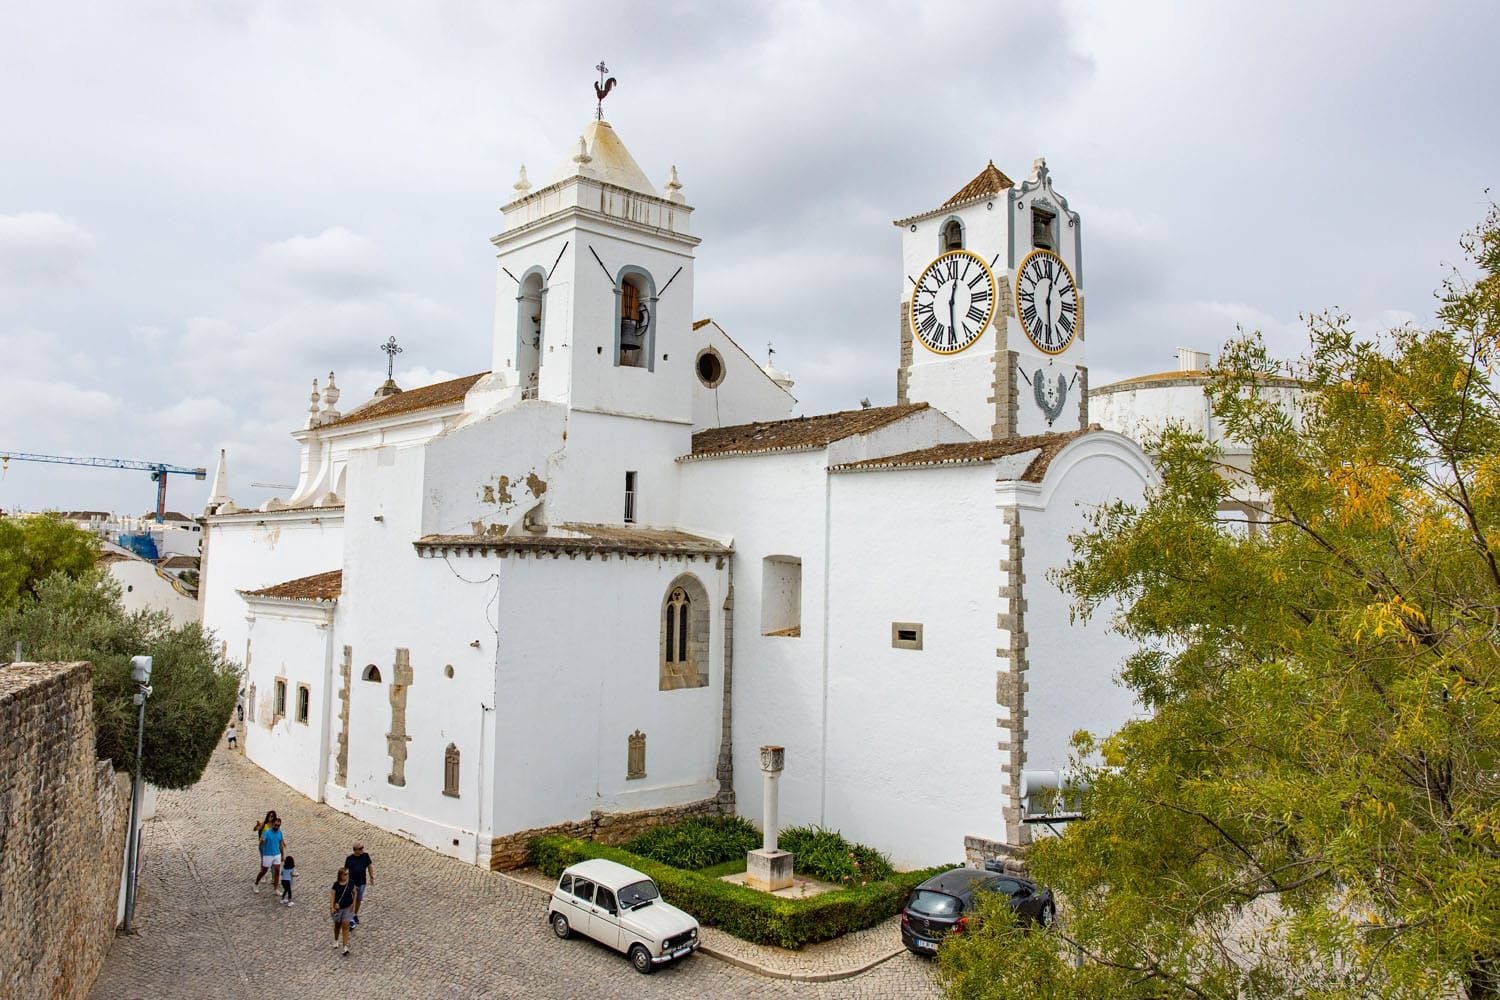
x: 746, y: 964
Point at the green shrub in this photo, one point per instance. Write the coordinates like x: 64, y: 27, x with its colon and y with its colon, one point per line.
x: 697, y: 842
x: 825, y: 854
x: 746, y: 913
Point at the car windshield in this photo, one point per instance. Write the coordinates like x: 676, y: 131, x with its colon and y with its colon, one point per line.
x: 637, y: 893
x: 935, y: 904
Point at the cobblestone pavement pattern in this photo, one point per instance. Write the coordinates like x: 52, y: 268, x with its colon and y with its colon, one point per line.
x: 433, y: 927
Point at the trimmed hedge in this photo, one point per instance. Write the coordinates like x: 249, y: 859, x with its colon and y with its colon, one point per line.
x: 697, y: 842
x: 747, y: 913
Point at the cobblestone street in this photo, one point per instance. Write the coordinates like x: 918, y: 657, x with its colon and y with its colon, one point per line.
x: 432, y: 927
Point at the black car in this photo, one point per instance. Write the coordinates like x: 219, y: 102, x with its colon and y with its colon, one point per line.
x: 944, y: 904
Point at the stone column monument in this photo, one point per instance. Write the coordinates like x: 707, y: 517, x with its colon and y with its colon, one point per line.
x: 769, y: 869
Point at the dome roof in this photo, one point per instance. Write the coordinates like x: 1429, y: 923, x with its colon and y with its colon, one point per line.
x: 599, y: 154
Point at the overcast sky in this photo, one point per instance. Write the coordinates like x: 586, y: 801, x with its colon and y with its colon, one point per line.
x: 203, y: 206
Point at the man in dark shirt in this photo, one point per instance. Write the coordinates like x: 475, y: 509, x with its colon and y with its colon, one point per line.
x: 361, y: 875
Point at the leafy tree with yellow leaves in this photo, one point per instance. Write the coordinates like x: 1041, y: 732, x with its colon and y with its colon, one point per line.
x: 1313, y: 806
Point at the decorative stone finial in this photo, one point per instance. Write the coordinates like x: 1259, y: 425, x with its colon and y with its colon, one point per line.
x: 312, y: 405
x: 1039, y: 169
x: 330, y: 398
x: 522, y: 184
x: 582, y: 157
x: 674, y: 186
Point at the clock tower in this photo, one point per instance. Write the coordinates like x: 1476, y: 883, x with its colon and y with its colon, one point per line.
x: 992, y: 321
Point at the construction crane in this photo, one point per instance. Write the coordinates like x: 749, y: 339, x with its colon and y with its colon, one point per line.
x: 159, y: 470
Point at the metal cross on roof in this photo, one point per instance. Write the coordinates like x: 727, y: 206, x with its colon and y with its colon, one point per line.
x: 602, y: 89
x: 391, y: 348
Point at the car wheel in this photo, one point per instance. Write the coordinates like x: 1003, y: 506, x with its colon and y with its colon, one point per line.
x: 560, y: 926
x: 1049, y: 914
x: 641, y: 959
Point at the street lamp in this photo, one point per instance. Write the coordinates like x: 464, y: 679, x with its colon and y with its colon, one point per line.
x: 140, y: 672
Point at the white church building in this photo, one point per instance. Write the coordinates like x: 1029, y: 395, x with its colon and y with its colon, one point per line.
x: 579, y: 590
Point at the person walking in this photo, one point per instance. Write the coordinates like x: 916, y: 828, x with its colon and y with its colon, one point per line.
x: 271, y: 845
x: 288, y: 872
x: 361, y: 868
x: 234, y: 737
x: 261, y: 828
x: 341, y: 908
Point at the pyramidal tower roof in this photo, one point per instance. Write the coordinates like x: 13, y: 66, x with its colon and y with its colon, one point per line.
x: 599, y: 154
x: 989, y: 182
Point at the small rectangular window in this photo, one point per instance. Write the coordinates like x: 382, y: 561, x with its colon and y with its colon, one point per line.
x: 304, y: 697
x: 906, y: 635
x: 630, y: 498
x: 583, y: 889
x: 1043, y: 230
x: 280, y: 711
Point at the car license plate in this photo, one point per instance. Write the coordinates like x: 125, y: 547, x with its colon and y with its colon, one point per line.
x: 682, y: 951
x: 926, y: 945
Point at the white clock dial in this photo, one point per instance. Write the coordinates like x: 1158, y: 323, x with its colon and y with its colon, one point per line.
x: 952, y: 302
x: 1047, y: 302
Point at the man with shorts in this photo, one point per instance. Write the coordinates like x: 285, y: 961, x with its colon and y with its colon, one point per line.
x: 361, y: 876
x: 272, y: 843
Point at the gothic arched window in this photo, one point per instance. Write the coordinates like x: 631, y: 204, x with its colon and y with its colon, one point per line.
x: 372, y: 673
x: 450, y: 771
x: 684, y: 635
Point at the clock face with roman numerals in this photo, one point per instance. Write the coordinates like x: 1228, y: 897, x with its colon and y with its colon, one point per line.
x: 1047, y: 301
x: 952, y: 302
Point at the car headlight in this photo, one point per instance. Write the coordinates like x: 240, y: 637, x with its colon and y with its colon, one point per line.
x: 693, y: 932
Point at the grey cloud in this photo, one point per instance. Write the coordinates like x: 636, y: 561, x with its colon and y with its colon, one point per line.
x: 266, y: 192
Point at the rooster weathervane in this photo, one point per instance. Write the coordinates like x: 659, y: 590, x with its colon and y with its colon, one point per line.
x: 602, y: 89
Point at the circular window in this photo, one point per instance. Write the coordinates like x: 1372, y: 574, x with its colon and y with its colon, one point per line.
x: 710, y: 367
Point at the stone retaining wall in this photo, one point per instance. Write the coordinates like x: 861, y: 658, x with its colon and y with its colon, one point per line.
x: 978, y: 851
x: 63, y: 816
x: 607, y: 828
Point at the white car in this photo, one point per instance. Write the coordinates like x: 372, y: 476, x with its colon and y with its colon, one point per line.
x: 622, y: 908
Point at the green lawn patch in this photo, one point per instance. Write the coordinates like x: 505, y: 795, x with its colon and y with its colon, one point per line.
x: 754, y: 916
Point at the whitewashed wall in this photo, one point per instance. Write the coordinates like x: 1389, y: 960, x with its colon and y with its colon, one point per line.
x: 143, y: 589
x: 395, y: 600
x: 254, y: 550
x: 291, y: 640
x: 590, y: 474
x: 745, y: 395
x: 579, y: 671
x: 912, y: 760
x: 776, y: 505
x: 1072, y: 665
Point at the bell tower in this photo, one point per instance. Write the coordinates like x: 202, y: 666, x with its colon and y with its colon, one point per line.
x: 593, y: 308
x: 992, y: 308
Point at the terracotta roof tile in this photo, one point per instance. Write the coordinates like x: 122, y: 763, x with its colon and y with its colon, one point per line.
x: 412, y: 400
x: 1194, y: 376
x: 588, y: 538
x: 1048, y: 447
x: 318, y: 587
x: 798, y: 433
x: 178, y: 562
x: 990, y: 181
